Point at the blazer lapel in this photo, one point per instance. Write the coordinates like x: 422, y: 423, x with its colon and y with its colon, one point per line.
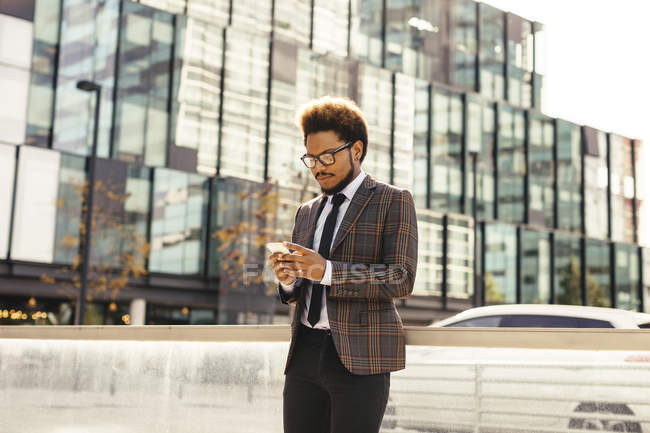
x: 357, y: 205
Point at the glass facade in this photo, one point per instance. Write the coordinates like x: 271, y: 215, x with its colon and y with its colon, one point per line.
x: 598, y: 273
x: 596, y: 183
x: 141, y: 115
x: 375, y: 97
x: 447, y: 152
x: 465, y: 42
x: 511, y: 162
x: 421, y: 143
x: 178, y: 225
x: 404, y: 129
x: 569, y: 176
x: 196, y: 99
x: 460, y: 257
x: 481, y: 137
x: 646, y: 279
x: 197, y: 138
x: 7, y: 172
x: 568, y: 274
x: 622, y: 188
x: 520, y: 60
x: 626, y: 284
x: 541, y: 169
x: 47, y: 209
x: 500, y: 262
x: 244, y: 102
x: 535, y: 267
x: 330, y: 29
x: 492, y: 51
x: 429, y: 277
x: 88, y: 50
x: 366, y: 31
x: 15, y: 59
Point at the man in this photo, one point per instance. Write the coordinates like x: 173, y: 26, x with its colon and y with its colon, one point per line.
x: 355, y: 251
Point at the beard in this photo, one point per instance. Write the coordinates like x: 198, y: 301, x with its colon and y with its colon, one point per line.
x: 343, y: 183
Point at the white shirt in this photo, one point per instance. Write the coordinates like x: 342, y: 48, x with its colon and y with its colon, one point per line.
x: 349, y: 192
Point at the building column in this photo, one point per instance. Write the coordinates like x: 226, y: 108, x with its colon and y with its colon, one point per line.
x: 137, y: 311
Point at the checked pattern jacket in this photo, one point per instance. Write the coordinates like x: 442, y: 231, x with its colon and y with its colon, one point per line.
x: 374, y: 260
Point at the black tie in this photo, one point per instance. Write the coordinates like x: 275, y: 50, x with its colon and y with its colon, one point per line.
x: 324, y: 250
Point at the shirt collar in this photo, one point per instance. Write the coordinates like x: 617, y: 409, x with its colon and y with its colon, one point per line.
x: 351, y: 188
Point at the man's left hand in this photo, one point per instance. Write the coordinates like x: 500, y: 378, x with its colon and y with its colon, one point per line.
x: 304, y: 262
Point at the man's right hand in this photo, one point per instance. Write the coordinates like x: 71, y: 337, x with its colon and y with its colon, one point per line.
x: 280, y: 266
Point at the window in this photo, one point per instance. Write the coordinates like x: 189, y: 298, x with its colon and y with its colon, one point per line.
x: 366, y: 31
x: 18, y: 53
x: 196, y: 97
x: 403, y: 131
x: 120, y: 215
x: 331, y: 27
x: 520, y: 61
x: 7, y: 171
x: 465, y: 39
x: 540, y: 321
x: 535, y: 267
x: 417, y: 42
x: 478, y: 322
x: 481, y: 129
x: 500, y: 264
x: 143, y: 85
x: 216, y: 13
x: 627, y: 277
x: 375, y: 100
x: 599, y: 282
x: 492, y: 52
x: 254, y: 16
x: 596, y: 181
x: 47, y: 214
x: 244, y: 105
x: 569, y: 176
x: 646, y: 279
x: 421, y: 142
x: 622, y: 188
x: 541, y: 195
x: 428, y: 279
x: 87, y: 50
x: 178, y: 224
x: 512, y: 164
x: 14, y: 83
x: 568, y: 285
x: 293, y: 21
x: 447, y: 152
x: 460, y: 257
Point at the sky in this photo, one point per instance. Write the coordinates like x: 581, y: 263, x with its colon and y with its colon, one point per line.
x: 597, y: 69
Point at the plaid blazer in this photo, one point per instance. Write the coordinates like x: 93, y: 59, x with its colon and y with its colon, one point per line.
x: 374, y: 259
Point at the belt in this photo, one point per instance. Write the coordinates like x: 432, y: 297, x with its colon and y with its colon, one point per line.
x: 306, y: 330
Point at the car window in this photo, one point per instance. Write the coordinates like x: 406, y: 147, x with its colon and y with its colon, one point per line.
x: 644, y: 326
x: 478, y: 322
x: 542, y: 321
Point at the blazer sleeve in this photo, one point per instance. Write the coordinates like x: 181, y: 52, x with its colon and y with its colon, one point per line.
x: 394, y: 278
x: 292, y: 297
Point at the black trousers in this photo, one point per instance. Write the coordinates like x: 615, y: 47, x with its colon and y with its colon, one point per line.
x: 321, y: 396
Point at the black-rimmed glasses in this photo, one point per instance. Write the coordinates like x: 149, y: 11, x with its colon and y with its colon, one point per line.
x: 325, y: 158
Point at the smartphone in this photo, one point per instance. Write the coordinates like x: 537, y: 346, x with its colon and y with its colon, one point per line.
x: 277, y: 247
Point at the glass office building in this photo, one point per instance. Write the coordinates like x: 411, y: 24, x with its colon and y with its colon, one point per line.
x: 198, y: 156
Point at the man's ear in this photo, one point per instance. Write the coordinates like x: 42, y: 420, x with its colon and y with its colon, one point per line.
x: 358, y: 148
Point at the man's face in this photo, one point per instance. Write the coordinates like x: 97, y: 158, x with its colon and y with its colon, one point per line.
x: 333, y: 178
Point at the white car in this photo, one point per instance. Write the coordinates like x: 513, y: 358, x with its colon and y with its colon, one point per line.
x: 506, y: 390
x: 546, y: 316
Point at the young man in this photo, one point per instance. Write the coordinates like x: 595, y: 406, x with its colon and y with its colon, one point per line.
x: 355, y: 251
